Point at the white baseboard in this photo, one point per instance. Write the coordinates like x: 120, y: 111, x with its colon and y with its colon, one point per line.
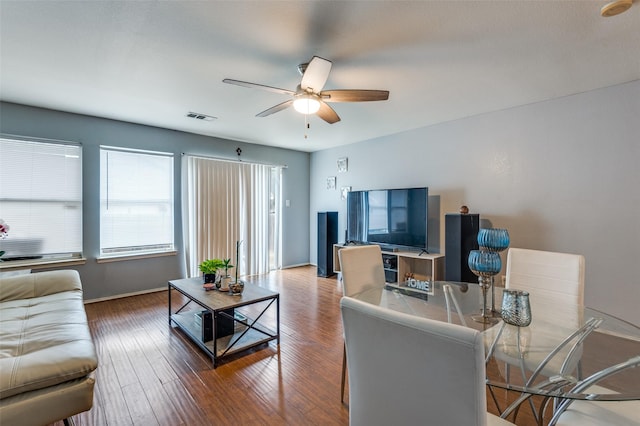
x: 120, y: 296
x: 298, y: 265
x: 154, y: 290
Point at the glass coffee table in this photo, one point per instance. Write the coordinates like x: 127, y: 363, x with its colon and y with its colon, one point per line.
x: 222, y: 324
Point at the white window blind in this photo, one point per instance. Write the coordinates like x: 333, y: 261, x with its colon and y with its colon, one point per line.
x: 41, y: 198
x: 136, y: 202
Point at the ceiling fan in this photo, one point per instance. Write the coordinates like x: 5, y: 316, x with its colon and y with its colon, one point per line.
x: 309, y: 98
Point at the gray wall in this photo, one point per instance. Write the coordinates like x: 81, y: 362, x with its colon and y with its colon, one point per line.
x: 561, y: 175
x: 109, y: 279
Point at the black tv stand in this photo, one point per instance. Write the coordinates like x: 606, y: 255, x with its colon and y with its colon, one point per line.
x: 423, y: 251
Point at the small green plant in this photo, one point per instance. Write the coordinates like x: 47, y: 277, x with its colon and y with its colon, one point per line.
x: 227, y: 265
x: 210, y: 266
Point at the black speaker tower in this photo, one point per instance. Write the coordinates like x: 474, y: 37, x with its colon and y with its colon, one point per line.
x: 327, y: 237
x: 461, y: 236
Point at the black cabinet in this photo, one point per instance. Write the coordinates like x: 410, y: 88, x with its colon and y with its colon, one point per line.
x: 327, y: 237
x: 461, y: 236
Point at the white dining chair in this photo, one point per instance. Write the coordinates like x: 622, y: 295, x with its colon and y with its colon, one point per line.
x: 409, y: 370
x: 595, y: 413
x: 555, y: 283
x: 558, y: 276
x: 362, y: 269
x: 598, y: 413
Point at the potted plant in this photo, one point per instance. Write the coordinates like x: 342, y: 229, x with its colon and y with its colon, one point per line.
x: 209, y: 268
x: 226, y: 264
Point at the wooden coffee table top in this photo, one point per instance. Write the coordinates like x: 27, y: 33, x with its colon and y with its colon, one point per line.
x: 216, y: 300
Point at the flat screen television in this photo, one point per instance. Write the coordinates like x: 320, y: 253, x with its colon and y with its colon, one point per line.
x: 389, y: 217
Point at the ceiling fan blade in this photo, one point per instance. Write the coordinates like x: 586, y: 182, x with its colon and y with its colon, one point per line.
x: 275, y: 109
x: 347, y: 95
x: 258, y: 86
x: 316, y: 74
x: 327, y: 113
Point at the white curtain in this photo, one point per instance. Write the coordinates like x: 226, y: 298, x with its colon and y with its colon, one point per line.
x: 226, y: 202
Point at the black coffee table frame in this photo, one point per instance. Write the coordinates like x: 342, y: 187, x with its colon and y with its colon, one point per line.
x: 219, y: 328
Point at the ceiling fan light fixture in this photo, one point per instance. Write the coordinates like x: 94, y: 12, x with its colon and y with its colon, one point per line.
x: 306, y: 104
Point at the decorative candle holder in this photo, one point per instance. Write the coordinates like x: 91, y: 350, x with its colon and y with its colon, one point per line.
x: 237, y: 287
x: 516, y: 309
x: 493, y: 239
x: 485, y: 264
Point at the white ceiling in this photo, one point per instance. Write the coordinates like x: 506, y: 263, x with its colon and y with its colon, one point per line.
x: 152, y: 62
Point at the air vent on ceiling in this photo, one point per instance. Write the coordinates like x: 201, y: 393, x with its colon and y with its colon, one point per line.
x: 199, y: 116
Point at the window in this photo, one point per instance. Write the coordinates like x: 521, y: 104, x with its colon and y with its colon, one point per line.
x: 41, y: 198
x: 136, y: 202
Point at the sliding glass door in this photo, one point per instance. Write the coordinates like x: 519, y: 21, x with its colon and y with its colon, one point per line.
x: 228, y: 202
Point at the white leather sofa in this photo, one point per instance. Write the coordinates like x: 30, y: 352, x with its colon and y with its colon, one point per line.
x: 47, y: 356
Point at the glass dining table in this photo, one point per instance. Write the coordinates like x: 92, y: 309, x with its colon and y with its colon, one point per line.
x: 566, y: 353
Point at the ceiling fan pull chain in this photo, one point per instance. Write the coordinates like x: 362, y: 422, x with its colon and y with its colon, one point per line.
x: 307, y: 126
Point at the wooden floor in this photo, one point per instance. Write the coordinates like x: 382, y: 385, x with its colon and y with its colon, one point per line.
x: 150, y: 374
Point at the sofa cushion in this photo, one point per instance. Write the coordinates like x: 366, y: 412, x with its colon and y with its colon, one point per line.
x: 44, y: 406
x: 39, y: 284
x: 44, y: 341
